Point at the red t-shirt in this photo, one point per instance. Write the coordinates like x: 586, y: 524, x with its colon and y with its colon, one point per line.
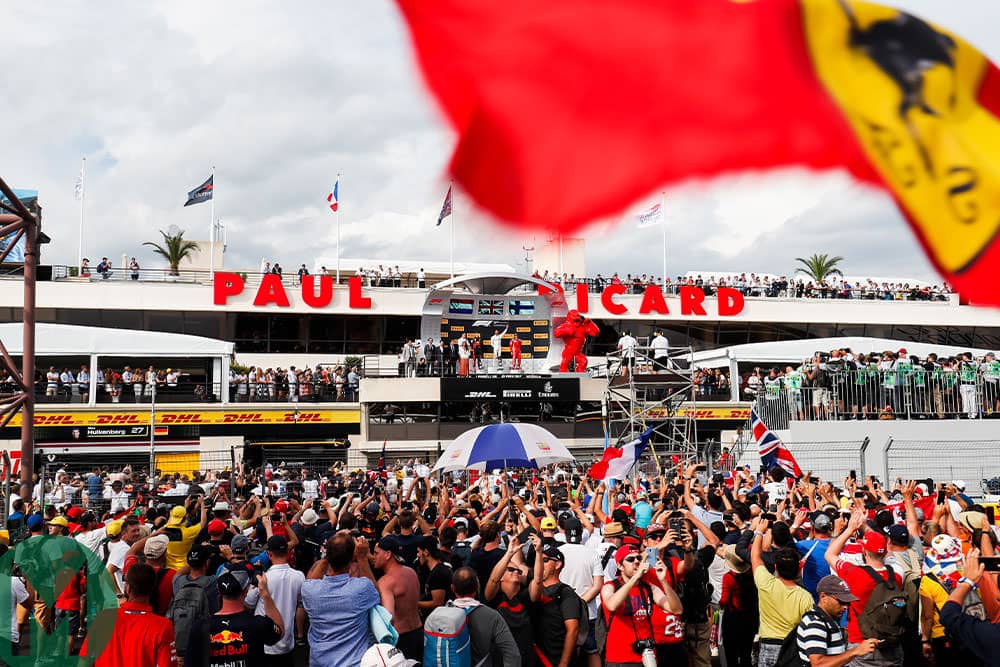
x: 140, y: 637
x: 165, y: 589
x: 862, y: 585
x: 667, y: 628
x: 631, y: 621
x: 69, y: 599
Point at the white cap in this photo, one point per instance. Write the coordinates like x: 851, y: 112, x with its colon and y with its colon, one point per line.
x: 960, y: 484
x: 385, y: 655
x: 309, y: 517
x: 221, y: 506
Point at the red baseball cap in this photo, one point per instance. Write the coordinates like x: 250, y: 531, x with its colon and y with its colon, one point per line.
x: 874, y: 542
x: 74, y: 512
x: 281, y: 506
x: 624, y: 551
x: 216, y: 527
x: 625, y: 508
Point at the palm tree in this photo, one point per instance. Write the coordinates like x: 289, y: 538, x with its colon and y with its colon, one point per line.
x: 174, y: 249
x: 819, y: 267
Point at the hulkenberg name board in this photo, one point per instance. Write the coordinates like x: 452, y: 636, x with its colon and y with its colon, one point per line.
x: 510, y: 389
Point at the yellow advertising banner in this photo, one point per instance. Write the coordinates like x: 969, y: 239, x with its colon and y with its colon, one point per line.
x: 192, y: 417
x: 707, y: 413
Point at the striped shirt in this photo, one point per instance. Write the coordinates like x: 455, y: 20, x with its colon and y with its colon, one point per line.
x: 818, y: 634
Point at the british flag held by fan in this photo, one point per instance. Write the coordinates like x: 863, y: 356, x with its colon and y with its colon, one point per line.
x: 772, y: 451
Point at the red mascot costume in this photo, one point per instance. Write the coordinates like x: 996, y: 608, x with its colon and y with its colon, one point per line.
x: 574, y: 332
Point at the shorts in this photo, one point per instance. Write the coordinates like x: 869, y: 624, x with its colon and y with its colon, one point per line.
x: 412, y: 644
x: 821, y: 396
x: 590, y: 646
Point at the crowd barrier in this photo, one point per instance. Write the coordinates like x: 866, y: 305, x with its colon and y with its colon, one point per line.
x: 867, y: 394
x: 976, y: 462
x: 831, y: 460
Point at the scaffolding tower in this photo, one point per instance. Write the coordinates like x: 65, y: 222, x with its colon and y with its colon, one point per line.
x: 644, y: 392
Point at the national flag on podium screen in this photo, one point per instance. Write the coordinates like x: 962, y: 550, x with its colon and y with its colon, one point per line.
x: 445, y: 208
x: 772, y: 451
x: 333, y: 199
x: 717, y: 87
x: 202, y: 193
x: 618, y: 461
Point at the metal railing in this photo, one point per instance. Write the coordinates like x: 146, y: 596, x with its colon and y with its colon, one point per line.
x: 977, y: 462
x: 864, y: 394
x: 275, y: 391
x: 830, y: 459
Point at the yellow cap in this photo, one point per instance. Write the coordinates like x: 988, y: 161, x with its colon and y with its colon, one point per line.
x: 548, y: 523
x: 59, y: 521
x: 113, y: 528
x: 177, y: 515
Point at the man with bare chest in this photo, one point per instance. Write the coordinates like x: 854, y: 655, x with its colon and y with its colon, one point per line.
x: 400, y: 592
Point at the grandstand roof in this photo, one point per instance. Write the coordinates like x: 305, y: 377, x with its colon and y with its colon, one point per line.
x: 797, y: 350
x: 65, y: 339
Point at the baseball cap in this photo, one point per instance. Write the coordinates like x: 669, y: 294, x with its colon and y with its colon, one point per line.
x: 233, y: 582
x: 199, y: 554
x: 111, y: 528
x: 391, y: 544
x: 959, y: 484
x: 220, y: 506
x: 821, y: 521
x: 281, y: 506
x: 899, y: 535
x: 548, y: 523
x: 35, y: 521
x: 155, y: 546
x: 874, y: 542
x: 613, y: 529
x: 309, y: 517
x: 216, y: 527
x: 277, y: 544
x: 654, y: 528
x: 74, y: 512
x: 834, y: 586
x: 624, y: 550
x: 574, y: 530
x: 385, y: 655
x: 59, y: 521
x: 552, y: 551
x: 177, y: 516
x: 240, y: 544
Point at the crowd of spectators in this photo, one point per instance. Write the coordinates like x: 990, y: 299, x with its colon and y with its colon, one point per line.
x: 65, y: 384
x: 323, y: 383
x: 887, y: 385
x: 541, y: 567
x: 753, y: 285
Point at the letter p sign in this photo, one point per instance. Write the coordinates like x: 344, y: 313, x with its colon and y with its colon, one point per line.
x: 227, y: 285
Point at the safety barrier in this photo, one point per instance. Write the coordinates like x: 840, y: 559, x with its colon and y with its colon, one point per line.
x: 832, y: 460
x: 874, y: 394
x: 976, y: 462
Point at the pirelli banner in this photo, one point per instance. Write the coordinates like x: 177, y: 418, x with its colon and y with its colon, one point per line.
x: 120, y: 418
x: 511, y: 389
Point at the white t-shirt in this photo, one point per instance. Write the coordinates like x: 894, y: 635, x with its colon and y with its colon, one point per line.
x: 116, y: 557
x: 776, y: 491
x: 582, y: 565
x: 496, y: 342
x: 18, y: 594
x: 661, y: 348
x: 310, y: 488
x: 92, y: 539
x: 627, y: 345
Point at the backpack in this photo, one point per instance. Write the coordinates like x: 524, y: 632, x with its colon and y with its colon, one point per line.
x: 582, y: 612
x: 461, y: 552
x: 884, y: 616
x: 446, y: 637
x: 788, y: 655
x: 694, y: 591
x: 188, y: 609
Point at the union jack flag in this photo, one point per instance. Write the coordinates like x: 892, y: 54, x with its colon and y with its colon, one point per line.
x: 490, y: 307
x: 772, y: 451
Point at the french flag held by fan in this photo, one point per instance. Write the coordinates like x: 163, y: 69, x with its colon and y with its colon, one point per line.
x: 772, y: 451
x: 618, y: 461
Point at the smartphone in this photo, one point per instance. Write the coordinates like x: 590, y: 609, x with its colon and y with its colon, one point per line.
x: 991, y: 563
x: 860, y: 494
x: 769, y: 516
x: 814, y: 480
x: 991, y: 514
x: 940, y: 496
x: 652, y: 555
x: 854, y: 474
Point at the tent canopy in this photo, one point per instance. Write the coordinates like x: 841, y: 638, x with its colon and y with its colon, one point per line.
x: 796, y: 350
x: 65, y: 340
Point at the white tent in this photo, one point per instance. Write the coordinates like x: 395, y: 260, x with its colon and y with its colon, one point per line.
x: 65, y: 339
x: 797, y: 350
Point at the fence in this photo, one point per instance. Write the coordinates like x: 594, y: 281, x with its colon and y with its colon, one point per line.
x: 831, y: 460
x: 873, y: 394
x: 976, y: 462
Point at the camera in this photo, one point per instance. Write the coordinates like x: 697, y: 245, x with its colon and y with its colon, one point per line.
x: 647, y: 649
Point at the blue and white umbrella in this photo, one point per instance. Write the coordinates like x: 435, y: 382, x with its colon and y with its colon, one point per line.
x: 503, y: 446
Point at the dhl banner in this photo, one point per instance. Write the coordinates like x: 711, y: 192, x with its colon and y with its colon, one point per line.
x: 192, y: 417
x: 714, y: 413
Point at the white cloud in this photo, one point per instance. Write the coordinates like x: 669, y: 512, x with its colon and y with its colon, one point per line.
x: 282, y: 97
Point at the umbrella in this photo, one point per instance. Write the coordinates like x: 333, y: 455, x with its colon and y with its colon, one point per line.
x: 503, y: 446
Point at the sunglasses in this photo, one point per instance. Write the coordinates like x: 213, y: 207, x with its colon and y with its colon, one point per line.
x: 546, y: 559
x: 630, y: 559
x: 514, y: 570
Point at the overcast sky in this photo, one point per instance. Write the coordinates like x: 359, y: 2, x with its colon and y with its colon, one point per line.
x: 280, y: 98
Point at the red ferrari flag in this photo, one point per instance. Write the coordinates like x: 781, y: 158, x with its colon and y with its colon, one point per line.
x: 570, y: 111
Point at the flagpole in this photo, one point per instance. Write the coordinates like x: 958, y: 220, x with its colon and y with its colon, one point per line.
x: 454, y: 221
x: 663, y: 230
x: 211, y: 232
x: 337, y: 186
x: 83, y: 193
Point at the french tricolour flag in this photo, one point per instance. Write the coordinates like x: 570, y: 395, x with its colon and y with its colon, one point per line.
x: 772, y: 451
x: 332, y: 197
x: 618, y: 461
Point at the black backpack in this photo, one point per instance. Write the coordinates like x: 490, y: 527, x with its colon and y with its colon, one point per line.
x: 188, y: 610
x: 884, y: 616
x: 695, y: 592
x: 788, y: 655
x: 582, y: 613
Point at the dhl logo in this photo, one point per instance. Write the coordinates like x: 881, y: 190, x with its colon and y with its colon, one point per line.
x: 182, y: 418
x: 303, y: 417
x: 53, y: 420
x: 104, y: 420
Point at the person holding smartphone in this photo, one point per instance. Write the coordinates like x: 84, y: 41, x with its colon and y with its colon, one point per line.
x: 980, y: 637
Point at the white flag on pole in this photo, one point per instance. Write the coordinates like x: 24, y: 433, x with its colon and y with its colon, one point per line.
x: 78, y: 191
x: 650, y: 217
